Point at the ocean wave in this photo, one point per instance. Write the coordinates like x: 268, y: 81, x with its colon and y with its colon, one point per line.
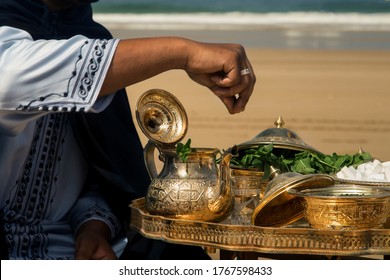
x: 239, y: 20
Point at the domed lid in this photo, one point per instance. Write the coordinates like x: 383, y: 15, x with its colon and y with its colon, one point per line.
x: 280, y: 137
x: 161, y: 117
x: 279, y: 207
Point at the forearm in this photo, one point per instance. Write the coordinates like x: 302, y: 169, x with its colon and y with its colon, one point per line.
x: 215, y: 66
x: 136, y: 60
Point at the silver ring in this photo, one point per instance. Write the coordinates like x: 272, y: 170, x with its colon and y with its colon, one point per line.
x: 245, y: 71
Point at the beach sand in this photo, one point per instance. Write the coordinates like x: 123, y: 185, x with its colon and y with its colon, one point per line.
x: 335, y: 94
x: 336, y: 100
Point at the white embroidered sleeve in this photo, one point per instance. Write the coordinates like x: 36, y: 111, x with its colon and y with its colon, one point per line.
x: 51, y: 75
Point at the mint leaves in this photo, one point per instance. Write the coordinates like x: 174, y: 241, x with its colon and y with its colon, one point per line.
x: 304, y: 162
x: 183, y: 150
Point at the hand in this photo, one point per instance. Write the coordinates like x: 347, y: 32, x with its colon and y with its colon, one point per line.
x: 92, y: 242
x: 218, y: 67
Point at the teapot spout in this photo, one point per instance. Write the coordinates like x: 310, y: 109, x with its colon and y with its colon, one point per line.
x: 224, y: 204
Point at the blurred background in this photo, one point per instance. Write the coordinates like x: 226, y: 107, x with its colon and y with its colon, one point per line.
x: 323, y: 65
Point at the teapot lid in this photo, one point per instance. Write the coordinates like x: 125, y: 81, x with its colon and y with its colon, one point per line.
x: 279, y: 207
x: 161, y: 117
x: 280, y: 137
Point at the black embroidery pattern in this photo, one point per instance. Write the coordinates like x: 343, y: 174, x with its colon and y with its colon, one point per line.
x: 92, y: 68
x: 31, y: 197
x: 97, y: 212
x: 81, y: 96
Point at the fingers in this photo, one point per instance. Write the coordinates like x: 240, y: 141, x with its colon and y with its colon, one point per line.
x: 91, y: 245
x: 219, y: 67
x: 94, y: 250
x: 235, y: 104
x: 85, y: 251
x: 235, y: 94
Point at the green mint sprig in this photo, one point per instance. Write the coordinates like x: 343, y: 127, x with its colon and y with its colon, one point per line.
x: 183, y: 150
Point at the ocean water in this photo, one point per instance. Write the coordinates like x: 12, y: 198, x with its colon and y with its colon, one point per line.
x: 284, y: 23
x: 244, y: 14
x: 252, y: 6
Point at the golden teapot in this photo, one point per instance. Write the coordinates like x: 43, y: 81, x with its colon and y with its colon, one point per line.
x: 193, y: 188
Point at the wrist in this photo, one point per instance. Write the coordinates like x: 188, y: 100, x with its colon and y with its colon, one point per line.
x: 182, y: 50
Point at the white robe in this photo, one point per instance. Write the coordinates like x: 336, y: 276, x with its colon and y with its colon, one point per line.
x: 42, y: 169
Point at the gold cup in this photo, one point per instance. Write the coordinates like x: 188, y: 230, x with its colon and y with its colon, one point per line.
x: 345, y: 206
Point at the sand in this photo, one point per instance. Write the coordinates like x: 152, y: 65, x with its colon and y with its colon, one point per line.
x: 333, y: 93
x: 336, y: 101
x: 336, y: 98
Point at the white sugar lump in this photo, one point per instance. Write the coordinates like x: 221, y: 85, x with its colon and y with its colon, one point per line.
x: 378, y: 169
x: 361, y: 168
x: 358, y: 176
x: 375, y: 163
x: 340, y: 175
x: 347, y: 172
x: 370, y: 171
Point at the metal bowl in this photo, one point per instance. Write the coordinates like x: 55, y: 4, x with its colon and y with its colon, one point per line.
x: 345, y: 206
x: 280, y: 208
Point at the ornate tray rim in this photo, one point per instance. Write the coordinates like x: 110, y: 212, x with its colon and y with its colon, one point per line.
x: 251, y: 238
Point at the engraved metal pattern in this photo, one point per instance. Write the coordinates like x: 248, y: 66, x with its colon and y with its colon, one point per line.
x: 248, y: 182
x: 248, y: 188
x: 351, y: 215
x: 194, y: 188
x: 345, y: 206
x: 279, y: 137
x: 278, y: 207
x: 178, y: 196
x: 161, y: 117
x: 191, y: 189
x: 282, y: 240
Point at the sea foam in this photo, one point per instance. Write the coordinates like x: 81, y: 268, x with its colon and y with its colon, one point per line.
x: 238, y: 20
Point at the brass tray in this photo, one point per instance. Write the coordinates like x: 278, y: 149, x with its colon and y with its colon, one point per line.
x: 296, y: 238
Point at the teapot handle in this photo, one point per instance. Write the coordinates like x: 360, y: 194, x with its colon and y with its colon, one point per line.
x: 149, y: 159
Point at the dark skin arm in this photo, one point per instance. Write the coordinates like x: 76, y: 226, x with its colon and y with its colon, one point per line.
x: 93, y: 242
x: 216, y: 66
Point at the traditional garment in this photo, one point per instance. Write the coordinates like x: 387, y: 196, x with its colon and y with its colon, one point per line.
x: 43, y: 169
x: 65, y: 157
x: 45, y: 192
